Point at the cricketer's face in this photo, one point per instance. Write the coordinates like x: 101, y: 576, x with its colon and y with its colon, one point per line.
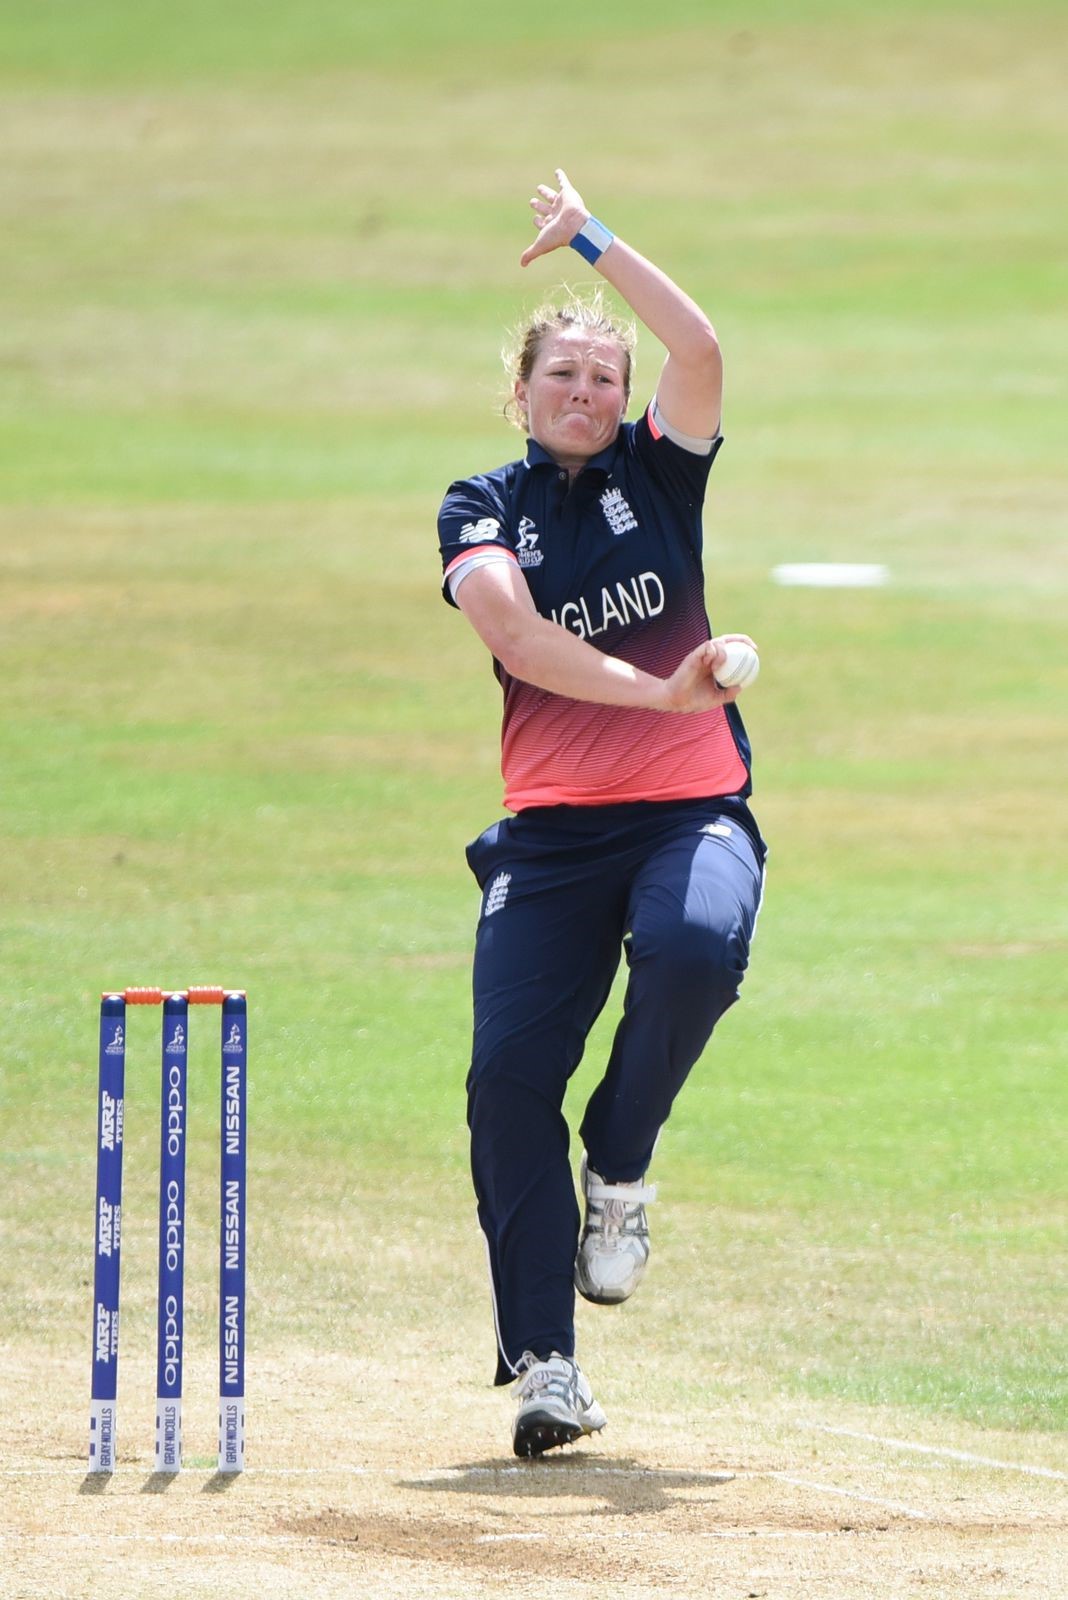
x: 575, y: 398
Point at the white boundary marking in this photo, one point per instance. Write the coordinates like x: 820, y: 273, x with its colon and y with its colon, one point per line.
x: 831, y: 574
x: 939, y: 1450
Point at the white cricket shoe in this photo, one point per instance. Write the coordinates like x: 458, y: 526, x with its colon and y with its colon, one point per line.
x: 556, y: 1405
x: 614, y: 1246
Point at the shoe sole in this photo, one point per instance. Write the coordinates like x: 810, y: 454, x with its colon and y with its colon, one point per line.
x: 540, y: 1431
x: 604, y: 1299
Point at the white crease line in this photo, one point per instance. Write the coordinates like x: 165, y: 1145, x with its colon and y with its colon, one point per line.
x: 507, y: 1538
x: 264, y: 1542
x: 271, y: 1541
x: 750, y: 1534
x: 852, y: 1494
x: 700, y: 1479
x: 344, y: 1470
x: 130, y: 1469
x: 939, y: 1450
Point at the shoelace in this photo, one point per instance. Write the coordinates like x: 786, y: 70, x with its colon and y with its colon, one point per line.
x: 618, y: 1210
x: 542, y: 1378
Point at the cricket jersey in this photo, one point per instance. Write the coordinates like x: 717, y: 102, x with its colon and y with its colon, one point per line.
x: 615, y: 556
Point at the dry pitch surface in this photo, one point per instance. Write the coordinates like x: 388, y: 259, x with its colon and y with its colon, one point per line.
x: 373, y: 1480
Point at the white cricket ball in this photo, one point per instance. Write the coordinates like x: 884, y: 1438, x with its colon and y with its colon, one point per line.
x: 741, y: 666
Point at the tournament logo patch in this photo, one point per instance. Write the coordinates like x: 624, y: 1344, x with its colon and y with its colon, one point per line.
x: 527, y: 553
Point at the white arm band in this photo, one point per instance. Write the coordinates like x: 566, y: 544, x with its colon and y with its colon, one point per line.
x: 685, y: 441
x: 477, y: 558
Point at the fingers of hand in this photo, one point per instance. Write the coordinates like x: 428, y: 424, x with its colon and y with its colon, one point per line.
x: 697, y: 689
x: 544, y: 211
x: 551, y: 206
x: 708, y: 694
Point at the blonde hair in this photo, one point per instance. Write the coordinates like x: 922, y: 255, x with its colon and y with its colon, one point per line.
x: 591, y: 313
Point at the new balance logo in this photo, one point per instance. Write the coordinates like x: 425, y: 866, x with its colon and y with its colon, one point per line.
x: 476, y: 532
x: 618, y: 515
x: 497, y: 893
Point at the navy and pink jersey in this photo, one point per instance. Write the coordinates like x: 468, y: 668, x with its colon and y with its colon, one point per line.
x: 615, y: 556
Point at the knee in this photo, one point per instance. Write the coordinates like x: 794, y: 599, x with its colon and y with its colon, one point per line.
x: 507, y: 1056
x: 509, y: 1084
x: 691, y: 958
x: 516, y: 1133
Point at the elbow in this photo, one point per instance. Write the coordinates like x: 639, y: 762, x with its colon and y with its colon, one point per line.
x: 516, y: 657
x: 511, y: 645
x: 498, y: 606
x: 698, y: 352
x: 704, y: 348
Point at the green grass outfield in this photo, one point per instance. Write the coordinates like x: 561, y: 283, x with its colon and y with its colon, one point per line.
x: 255, y: 269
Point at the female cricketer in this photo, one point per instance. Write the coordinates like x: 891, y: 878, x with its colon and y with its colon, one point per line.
x: 626, y: 768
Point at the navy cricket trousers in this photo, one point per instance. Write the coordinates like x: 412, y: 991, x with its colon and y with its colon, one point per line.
x: 565, y: 890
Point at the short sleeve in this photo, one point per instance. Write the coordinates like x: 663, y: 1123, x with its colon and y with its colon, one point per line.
x: 473, y: 517
x: 680, y: 469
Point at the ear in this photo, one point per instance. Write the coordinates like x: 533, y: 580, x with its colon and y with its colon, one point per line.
x: 520, y: 392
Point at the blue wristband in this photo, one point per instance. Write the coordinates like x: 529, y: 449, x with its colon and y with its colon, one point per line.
x: 592, y: 240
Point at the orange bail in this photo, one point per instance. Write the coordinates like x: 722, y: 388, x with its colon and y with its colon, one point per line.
x: 205, y: 994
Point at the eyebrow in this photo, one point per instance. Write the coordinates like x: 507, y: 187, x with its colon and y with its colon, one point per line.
x: 570, y: 359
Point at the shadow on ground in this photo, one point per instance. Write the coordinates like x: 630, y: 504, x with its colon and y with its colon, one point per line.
x: 617, y: 1483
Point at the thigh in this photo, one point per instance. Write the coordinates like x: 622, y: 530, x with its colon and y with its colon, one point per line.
x: 697, y: 892
x: 546, y: 950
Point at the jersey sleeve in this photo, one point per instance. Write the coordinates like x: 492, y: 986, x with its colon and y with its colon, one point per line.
x: 678, y: 463
x: 473, y: 518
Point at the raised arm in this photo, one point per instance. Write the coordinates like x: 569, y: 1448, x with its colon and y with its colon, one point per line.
x: 690, y: 390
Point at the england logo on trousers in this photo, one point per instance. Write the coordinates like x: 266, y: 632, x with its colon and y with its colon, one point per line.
x: 497, y: 893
